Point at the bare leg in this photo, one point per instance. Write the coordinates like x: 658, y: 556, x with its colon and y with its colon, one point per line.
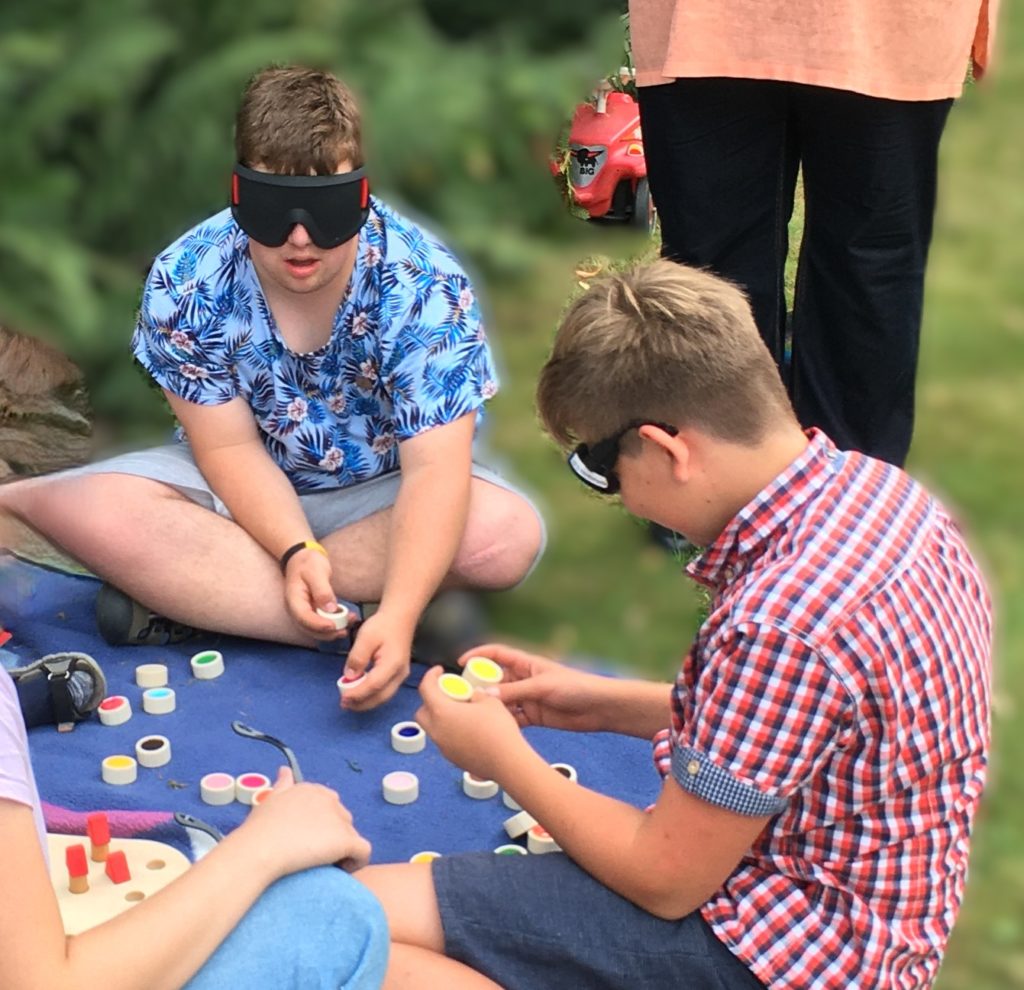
x: 417, y: 939
x: 168, y: 553
x: 413, y: 968
x: 191, y: 565
x: 501, y: 541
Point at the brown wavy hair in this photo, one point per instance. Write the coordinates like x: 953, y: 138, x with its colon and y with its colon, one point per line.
x: 298, y: 121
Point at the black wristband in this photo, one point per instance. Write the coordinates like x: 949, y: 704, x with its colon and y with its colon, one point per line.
x: 292, y: 551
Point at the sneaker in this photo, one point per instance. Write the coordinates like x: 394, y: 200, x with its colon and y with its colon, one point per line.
x: 59, y: 689
x: 122, y: 621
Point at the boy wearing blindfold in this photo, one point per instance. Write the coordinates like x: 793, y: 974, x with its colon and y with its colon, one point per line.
x: 326, y: 360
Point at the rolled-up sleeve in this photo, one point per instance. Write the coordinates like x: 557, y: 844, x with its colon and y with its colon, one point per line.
x: 765, y: 714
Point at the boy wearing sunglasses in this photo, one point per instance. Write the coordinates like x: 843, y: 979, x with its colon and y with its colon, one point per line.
x: 824, y: 747
x: 327, y: 362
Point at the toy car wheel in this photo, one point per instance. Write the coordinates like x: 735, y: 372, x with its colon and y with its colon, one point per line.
x: 644, y: 214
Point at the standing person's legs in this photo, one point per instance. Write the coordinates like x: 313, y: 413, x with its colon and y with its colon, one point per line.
x: 869, y: 169
x: 319, y: 929
x: 722, y: 165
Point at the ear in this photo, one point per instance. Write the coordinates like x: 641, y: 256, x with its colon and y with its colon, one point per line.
x: 677, y: 448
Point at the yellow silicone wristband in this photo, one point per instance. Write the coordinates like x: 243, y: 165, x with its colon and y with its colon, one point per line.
x: 304, y: 545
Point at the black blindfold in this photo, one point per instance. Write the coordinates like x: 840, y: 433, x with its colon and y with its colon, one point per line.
x: 332, y: 208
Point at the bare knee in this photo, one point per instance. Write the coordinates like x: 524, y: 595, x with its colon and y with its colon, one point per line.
x: 503, y: 538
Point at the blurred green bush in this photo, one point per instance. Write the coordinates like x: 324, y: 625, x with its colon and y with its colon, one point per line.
x: 117, y: 135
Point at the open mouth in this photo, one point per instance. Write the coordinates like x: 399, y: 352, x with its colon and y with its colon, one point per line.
x: 301, y: 266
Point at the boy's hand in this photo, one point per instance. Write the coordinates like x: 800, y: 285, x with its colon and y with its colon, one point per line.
x: 383, y: 644
x: 479, y: 735
x: 307, y: 587
x: 301, y: 826
x: 539, y: 691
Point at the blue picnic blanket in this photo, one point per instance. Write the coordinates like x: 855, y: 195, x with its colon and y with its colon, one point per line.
x: 285, y: 692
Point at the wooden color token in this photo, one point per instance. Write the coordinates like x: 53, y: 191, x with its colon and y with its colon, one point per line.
x: 119, y: 769
x: 400, y: 787
x: 151, y: 675
x: 455, y: 687
x: 339, y: 618
x: 207, y: 665
x: 153, y: 751
x: 115, y: 710
x: 482, y: 672
x: 477, y: 787
x: 217, y: 788
x: 158, y: 701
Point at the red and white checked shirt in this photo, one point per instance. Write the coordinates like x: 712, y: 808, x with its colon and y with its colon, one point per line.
x: 841, y: 684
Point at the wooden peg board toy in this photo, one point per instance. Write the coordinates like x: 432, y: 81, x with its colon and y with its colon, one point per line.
x: 152, y: 865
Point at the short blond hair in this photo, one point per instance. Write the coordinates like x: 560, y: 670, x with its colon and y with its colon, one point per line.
x: 661, y: 342
x: 298, y: 121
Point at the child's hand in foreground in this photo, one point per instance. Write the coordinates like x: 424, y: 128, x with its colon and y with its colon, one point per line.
x: 300, y: 826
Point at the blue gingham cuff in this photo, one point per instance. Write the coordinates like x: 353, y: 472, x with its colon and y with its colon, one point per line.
x: 697, y: 775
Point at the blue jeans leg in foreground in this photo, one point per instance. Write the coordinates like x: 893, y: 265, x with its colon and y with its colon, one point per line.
x: 315, y: 930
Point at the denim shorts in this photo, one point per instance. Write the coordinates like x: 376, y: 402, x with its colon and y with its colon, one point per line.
x: 541, y: 922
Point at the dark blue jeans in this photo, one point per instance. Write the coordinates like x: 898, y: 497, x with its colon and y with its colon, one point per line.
x: 722, y: 161
x: 542, y: 923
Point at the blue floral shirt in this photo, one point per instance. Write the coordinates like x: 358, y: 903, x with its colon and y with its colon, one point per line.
x: 408, y: 351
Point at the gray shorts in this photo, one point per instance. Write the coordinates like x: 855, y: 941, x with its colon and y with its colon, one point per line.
x: 327, y: 511
x: 535, y: 922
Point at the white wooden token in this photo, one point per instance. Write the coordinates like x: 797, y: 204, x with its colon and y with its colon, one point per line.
x: 566, y: 770
x: 347, y: 683
x: 151, y: 675
x: 207, y: 665
x: 477, y: 787
x: 339, y: 618
x: 408, y: 737
x: 115, y: 710
x: 400, y: 787
x: 247, y: 785
x: 482, y: 672
x: 427, y: 856
x: 119, y: 770
x: 158, y: 701
x: 510, y: 802
x: 455, y: 687
x: 519, y: 824
x: 217, y: 788
x: 539, y: 841
x: 153, y: 751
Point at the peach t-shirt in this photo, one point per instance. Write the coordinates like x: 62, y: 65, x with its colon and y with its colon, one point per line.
x: 895, y: 49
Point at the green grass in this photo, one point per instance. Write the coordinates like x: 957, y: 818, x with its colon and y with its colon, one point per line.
x: 603, y: 590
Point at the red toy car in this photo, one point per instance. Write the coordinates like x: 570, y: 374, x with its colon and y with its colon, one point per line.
x: 607, y: 171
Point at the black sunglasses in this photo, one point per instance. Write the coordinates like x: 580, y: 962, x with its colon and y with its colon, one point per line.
x: 594, y: 464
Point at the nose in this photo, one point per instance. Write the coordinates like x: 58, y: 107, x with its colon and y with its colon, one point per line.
x: 299, y: 236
